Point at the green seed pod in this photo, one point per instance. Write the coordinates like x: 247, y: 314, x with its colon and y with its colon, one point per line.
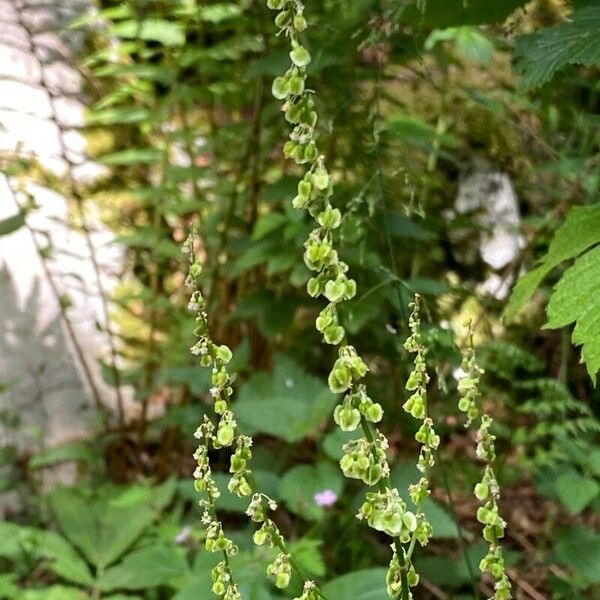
x: 299, y: 22
x: 334, y: 334
x: 283, y: 19
x: 299, y: 55
x: 296, y: 85
x: 320, y: 179
x: 275, y: 4
x: 311, y: 152
x: 281, y: 88
x: 482, y: 491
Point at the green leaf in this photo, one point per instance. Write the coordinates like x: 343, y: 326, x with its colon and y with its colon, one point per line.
x: 64, y: 560
x: 266, y: 481
x: 444, y: 526
x: 12, y: 540
x: 540, y: 54
x: 273, y: 314
x: 8, y: 587
x: 307, y: 553
x: 13, y: 223
x: 132, y: 156
x: 167, y: 33
x: 368, y: 584
x: 268, y: 223
x: 579, y: 549
x: 195, y: 378
x: 576, y: 299
x: 120, y: 115
x: 469, y: 42
x: 474, y: 45
x: 249, y: 572
x: 333, y: 442
x: 101, y: 531
x: 53, y: 592
x: 576, y: 491
x: 75, y: 451
x: 300, y: 484
x: 221, y: 11
x: 289, y: 396
x: 146, y: 568
x: 579, y: 231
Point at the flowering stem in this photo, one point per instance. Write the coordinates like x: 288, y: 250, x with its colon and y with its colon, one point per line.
x: 383, y: 485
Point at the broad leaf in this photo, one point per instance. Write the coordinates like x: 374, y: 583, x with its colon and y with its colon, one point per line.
x: 300, y: 484
x: 576, y: 491
x: 53, y: 592
x: 64, y: 560
x: 101, y: 531
x: 579, y: 549
x: 146, y: 568
x: 542, y: 53
x: 580, y: 231
x: 368, y: 584
x: 576, y: 299
x: 288, y: 404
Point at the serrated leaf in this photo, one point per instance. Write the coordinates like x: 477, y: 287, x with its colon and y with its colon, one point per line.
x: 540, y: 54
x: 579, y: 231
x: 576, y: 299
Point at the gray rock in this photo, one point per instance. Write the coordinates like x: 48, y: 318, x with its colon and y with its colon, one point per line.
x: 25, y: 98
x: 12, y: 34
x: 61, y: 79
x: 69, y: 111
x: 28, y: 134
x: 8, y: 12
x: 19, y: 64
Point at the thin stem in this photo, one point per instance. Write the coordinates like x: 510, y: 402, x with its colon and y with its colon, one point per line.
x: 383, y: 485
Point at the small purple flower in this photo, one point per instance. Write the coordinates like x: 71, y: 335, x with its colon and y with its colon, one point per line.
x: 326, y: 498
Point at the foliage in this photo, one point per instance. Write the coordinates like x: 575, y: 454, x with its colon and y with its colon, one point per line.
x: 412, y: 98
x: 540, y: 54
x: 574, y: 298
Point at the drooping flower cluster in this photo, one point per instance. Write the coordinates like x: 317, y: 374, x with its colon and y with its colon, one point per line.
x: 225, y: 435
x: 416, y: 405
x: 364, y: 458
x: 487, y: 490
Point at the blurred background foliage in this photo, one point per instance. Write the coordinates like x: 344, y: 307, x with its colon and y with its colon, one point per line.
x: 414, y: 100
